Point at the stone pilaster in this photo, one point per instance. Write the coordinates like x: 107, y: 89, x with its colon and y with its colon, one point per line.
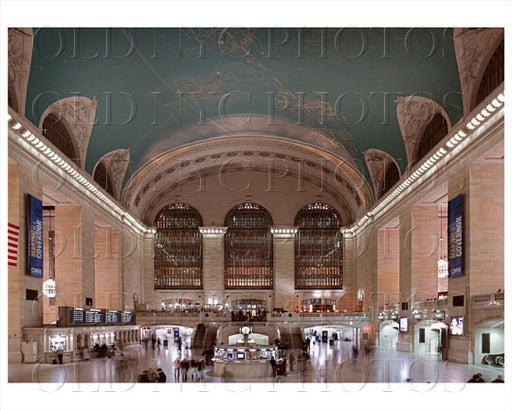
x: 424, y: 253
x: 349, y: 298
x: 213, y: 263
x: 107, y: 270
x: 388, y: 265
x: 68, y: 256
x: 284, y: 267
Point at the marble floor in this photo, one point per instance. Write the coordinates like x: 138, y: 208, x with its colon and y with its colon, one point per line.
x: 327, y: 364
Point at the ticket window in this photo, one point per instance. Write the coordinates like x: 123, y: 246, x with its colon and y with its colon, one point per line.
x: 57, y: 342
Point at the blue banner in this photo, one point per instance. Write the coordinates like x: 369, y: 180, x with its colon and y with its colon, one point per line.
x: 35, y: 237
x: 455, y: 237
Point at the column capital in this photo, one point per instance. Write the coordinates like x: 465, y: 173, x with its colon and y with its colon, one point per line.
x: 213, y: 231
x: 283, y: 232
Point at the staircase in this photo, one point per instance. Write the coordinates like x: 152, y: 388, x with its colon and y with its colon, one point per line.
x: 210, y: 335
x: 297, y: 339
x: 199, y: 336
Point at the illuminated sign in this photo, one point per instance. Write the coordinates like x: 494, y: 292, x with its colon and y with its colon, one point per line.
x: 455, y: 237
x: 404, y: 324
x: 35, y: 237
x: 49, y: 288
x: 457, y: 325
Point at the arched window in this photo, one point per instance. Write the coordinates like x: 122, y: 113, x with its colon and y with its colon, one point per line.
x: 494, y: 74
x: 102, y: 177
x: 435, y: 131
x: 248, y: 248
x: 318, y: 248
x: 391, y: 177
x: 55, y: 131
x: 178, y: 248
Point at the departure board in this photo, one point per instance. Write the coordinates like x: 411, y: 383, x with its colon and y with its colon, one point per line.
x: 78, y: 316
x: 126, y: 317
x: 112, y: 317
x: 93, y: 317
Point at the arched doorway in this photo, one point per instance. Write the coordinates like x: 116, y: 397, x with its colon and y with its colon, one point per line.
x: 490, y: 343
x: 429, y: 337
x: 388, y: 334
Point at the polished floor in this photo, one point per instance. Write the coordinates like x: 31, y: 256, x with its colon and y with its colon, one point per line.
x: 327, y: 364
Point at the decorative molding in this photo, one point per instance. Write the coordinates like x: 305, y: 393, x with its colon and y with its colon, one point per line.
x: 25, y: 137
x: 77, y: 114
x: 213, y: 231
x: 280, y: 232
x: 473, y: 50
x: 115, y: 163
x: 377, y: 162
x: 19, y: 59
x: 414, y: 113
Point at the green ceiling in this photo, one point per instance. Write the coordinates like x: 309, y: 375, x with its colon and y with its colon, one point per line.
x: 150, y: 69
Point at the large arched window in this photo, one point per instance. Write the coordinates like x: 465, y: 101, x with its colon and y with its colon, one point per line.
x: 435, y: 131
x: 178, y: 250
x: 248, y: 248
x: 494, y: 74
x: 318, y: 248
x: 102, y: 177
x: 55, y: 131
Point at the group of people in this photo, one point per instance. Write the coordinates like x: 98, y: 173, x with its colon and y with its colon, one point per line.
x: 152, y: 376
x: 188, y: 370
x: 477, y: 378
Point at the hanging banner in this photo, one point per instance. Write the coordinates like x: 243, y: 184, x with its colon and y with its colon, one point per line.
x: 35, y: 237
x: 455, y: 237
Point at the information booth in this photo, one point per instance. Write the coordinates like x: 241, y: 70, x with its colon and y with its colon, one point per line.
x: 244, y: 361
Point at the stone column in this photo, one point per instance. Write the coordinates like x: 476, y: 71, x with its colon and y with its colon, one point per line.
x: 68, y: 263
x: 108, y: 290
x: 349, y: 298
x: 213, y: 263
x: 406, y: 299
x: 485, y: 246
x: 366, y: 265
x: 388, y: 262
x: 424, y: 253
x: 284, y: 268
x: 86, y: 252
x: 482, y: 187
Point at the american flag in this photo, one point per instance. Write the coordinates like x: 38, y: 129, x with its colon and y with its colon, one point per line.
x: 13, y: 236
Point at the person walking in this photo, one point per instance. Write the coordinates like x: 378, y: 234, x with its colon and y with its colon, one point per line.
x: 177, y: 365
x: 273, y: 365
x: 60, y: 355
x: 292, y: 361
x: 184, y: 369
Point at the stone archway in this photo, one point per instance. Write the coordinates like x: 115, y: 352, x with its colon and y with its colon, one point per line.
x: 336, y: 176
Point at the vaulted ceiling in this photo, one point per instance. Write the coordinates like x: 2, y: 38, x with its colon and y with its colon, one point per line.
x: 152, y: 85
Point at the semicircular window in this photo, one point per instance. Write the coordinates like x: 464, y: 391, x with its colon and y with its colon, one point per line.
x: 318, y: 248
x: 102, y: 177
x: 248, y: 250
x: 435, y: 131
x: 178, y: 248
x: 55, y: 131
